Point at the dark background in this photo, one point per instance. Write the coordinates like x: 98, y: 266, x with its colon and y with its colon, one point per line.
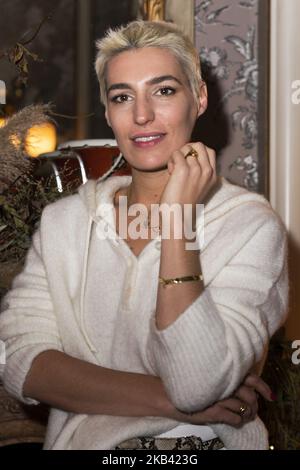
x: 55, y: 79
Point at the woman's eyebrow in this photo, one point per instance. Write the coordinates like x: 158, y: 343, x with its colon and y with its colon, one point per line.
x: 152, y: 81
x: 162, y: 78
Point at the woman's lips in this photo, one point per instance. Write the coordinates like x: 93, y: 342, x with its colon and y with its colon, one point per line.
x: 148, y: 141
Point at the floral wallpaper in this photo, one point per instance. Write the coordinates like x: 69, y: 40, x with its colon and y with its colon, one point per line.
x: 227, y: 37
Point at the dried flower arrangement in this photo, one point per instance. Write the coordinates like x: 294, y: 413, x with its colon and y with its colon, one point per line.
x: 22, y: 194
x: 13, y: 158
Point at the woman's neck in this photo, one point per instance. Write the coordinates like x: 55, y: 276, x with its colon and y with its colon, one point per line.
x: 146, y: 188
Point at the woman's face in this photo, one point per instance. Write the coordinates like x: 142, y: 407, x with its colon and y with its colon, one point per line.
x: 150, y: 106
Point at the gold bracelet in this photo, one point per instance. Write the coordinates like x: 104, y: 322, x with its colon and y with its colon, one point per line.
x: 180, y: 280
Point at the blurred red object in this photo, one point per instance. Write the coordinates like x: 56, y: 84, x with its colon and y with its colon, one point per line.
x: 77, y: 161
x: 98, y: 160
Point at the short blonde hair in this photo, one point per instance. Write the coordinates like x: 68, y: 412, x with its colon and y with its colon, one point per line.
x: 138, y: 34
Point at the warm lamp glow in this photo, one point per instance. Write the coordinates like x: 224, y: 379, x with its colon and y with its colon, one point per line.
x: 40, y: 139
x: 15, y: 140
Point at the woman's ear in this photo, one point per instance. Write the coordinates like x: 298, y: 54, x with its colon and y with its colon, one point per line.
x: 203, y: 99
x: 107, y: 118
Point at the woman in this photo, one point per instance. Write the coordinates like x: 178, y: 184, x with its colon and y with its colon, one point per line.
x: 125, y: 340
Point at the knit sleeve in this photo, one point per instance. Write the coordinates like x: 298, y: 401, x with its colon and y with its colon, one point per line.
x: 204, y: 355
x: 27, y: 322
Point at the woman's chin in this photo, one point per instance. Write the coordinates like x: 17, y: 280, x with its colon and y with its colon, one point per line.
x: 149, y: 167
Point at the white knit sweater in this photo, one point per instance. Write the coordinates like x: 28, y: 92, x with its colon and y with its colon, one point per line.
x: 94, y: 300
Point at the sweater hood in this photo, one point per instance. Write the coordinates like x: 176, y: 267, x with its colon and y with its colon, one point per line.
x: 97, y: 197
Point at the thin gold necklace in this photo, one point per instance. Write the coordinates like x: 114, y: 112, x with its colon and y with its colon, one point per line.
x: 147, y: 220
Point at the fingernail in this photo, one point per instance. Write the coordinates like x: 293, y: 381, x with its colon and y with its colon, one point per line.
x: 273, y: 396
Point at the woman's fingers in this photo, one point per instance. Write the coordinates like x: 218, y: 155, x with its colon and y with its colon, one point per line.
x: 248, y: 396
x: 202, y: 161
x: 245, y: 407
x: 216, y: 414
x: 202, y: 167
x: 192, y: 177
x: 235, y: 410
x: 235, y: 405
x: 212, y: 159
x: 205, y: 159
x: 228, y: 411
x: 259, y: 385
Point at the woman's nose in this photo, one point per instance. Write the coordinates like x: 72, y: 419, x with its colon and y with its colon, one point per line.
x: 143, y: 111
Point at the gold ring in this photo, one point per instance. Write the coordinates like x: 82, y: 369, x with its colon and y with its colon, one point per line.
x: 242, y: 410
x: 192, y: 153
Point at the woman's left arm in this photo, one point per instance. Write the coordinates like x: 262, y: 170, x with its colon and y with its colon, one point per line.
x: 204, y: 339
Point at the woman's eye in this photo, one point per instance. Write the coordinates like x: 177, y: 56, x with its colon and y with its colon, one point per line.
x: 120, y: 98
x: 166, y: 91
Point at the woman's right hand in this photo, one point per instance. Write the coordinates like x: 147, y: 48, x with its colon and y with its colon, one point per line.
x: 227, y: 411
